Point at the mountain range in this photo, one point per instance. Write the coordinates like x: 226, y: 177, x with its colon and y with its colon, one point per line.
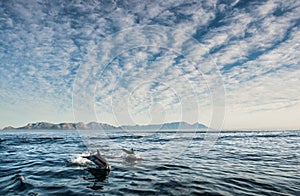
x: 101, y: 126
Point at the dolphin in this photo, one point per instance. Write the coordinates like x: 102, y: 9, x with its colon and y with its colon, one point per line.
x: 99, y: 161
x: 129, y: 152
x: 132, y: 156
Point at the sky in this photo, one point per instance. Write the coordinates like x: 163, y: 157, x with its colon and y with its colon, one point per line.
x: 228, y: 64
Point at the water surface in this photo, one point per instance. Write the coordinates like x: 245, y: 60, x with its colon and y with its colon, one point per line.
x: 249, y: 163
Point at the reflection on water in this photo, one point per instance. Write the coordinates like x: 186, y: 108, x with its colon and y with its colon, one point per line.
x: 99, y: 176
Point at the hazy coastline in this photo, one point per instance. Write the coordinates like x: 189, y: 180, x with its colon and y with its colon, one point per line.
x: 100, y: 126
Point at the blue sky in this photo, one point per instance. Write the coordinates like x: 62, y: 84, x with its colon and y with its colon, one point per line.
x: 230, y: 64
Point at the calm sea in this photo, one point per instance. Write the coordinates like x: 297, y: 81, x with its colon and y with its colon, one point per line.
x: 239, y: 163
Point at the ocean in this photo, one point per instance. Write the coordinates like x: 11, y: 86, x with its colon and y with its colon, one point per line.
x: 49, y: 162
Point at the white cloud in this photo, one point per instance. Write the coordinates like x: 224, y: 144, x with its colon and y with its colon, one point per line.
x: 47, y: 46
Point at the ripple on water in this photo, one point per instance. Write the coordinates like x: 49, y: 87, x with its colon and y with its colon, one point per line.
x: 249, y: 163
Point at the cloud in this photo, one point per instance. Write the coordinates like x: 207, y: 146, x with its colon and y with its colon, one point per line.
x: 51, y: 51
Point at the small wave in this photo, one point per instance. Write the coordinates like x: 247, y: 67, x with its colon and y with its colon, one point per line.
x: 17, y: 184
x: 136, y: 191
x: 172, y: 167
x: 177, y: 166
x: 126, y: 137
x: 49, y: 138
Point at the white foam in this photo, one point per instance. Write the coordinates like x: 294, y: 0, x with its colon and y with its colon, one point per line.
x: 132, y: 157
x: 79, y: 160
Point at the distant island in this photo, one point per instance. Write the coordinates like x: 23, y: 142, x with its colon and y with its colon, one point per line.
x: 103, y: 126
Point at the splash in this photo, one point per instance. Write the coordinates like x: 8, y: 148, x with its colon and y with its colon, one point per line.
x: 77, y: 159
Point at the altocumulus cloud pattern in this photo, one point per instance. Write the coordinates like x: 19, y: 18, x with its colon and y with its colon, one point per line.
x: 254, y: 44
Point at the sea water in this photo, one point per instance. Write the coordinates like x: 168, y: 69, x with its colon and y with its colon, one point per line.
x: 49, y: 162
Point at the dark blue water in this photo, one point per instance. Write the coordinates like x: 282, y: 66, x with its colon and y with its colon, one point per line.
x: 246, y: 163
